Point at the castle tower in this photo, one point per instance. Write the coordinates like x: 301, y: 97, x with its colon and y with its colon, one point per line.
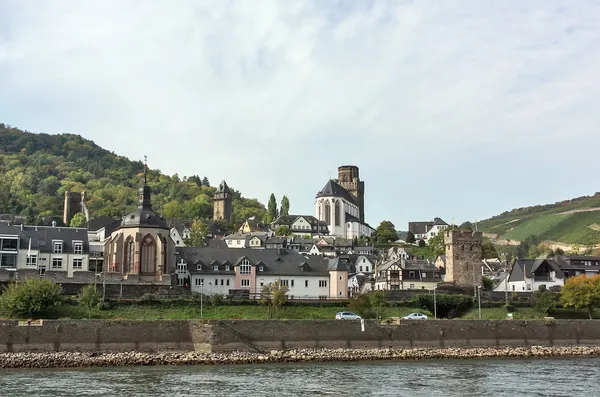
x: 349, y: 179
x: 463, y: 257
x: 222, y: 207
x: 74, y: 203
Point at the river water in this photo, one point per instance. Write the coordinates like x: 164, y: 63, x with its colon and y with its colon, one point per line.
x: 500, y: 377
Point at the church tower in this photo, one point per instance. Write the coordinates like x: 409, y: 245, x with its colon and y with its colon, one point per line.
x: 463, y: 257
x: 222, y: 207
x: 349, y: 179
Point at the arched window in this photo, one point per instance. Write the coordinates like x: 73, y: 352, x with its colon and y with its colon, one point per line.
x: 320, y: 216
x: 327, y: 213
x: 337, y: 212
x: 148, y: 255
x: 129, y: 253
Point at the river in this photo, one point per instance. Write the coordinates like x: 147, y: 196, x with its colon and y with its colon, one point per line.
x: 474, y: 377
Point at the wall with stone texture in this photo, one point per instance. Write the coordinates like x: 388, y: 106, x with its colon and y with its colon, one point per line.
x: 248, y: 335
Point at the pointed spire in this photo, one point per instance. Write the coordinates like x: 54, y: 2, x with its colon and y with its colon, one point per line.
x: 145, y: 170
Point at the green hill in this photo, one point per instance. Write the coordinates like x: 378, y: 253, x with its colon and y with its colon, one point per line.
x: 574, y: 221
x: 36, y: 170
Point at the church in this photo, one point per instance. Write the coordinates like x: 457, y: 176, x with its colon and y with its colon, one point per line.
x: 340, y: 204
x: 141, y: 247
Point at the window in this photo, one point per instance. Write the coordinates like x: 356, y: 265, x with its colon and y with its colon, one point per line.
x: 291, y: 283
x: 411, y: 274
x: 180, y: 282
x: 322, y: 283
x: 528, y: 287
x: 360, y: 268
x: 129, y: 255
x: 424, y: 275
x: 31, y: 260
x: 8, y: 244
x: 198, y: 281
x: 228, y: 282
x: 261, y: 268
x: 148, y: 255
x: 222, y: 282
x: 412, y: 286
x: 227, y: 268
x: 245, y: 283
x: 262, y: 283
x: 42, y: 271
x: 56, y: 263
x: 216, y: 282
x: 78, y: 264
x: 284, y: 282
x: 78, y: 248
x: 8, y: 260
x: 199, y: 267
x: 436, y: 274
x: 340, y: 277
x: 215, y: 267
x: 306, y: 283
x: 245, y: 267
x: 58, y: 247
x: 181, y: 267
x: 513, y: 287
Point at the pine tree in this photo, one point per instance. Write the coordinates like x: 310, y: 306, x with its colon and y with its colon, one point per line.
x: 285, y: 206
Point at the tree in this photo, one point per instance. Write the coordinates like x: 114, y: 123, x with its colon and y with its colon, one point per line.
x: 545, y: 301
x: 386, y: 232
x: 30, y: 297
x: 488, y: 250
x: 437, y: 244
x: 488, y: 284
x: 410, y: 238
x: 89, y: 298
x: 421, y: 243
x: 78, y: 220
x: 285, y: 206
x: 198, y: 233
x: 360, y: 304
x: 205, y: 181
x: 271, y: 209
x: 377, y: 299
x: 283, y: 231
x: 273, y: 295
x: 581, y: 292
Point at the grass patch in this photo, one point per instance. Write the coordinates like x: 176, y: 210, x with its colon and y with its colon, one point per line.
x: 536, y: 226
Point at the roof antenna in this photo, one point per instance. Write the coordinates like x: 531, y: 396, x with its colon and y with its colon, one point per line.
x: 330, y: 175
x: 145, y: 169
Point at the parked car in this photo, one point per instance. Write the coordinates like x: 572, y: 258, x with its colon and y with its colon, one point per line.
x: 415, y: 316
x: 347, y: 316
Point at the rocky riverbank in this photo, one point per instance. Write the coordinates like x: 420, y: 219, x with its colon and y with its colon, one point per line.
x: 75, y: 359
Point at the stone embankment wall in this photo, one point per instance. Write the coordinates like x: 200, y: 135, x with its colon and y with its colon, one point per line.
x: 263, y: 336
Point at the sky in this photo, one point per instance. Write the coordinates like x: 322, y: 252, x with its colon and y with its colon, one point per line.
x: 455, y: 109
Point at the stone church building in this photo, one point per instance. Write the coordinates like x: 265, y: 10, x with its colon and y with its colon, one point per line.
x: 141, y: 248
x: 340, y: 204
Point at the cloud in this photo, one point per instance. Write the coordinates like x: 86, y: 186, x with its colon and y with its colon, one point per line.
x: 443, y: 106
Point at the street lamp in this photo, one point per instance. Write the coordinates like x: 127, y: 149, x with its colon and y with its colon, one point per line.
x: 479, y: 299
x: 434, y: 304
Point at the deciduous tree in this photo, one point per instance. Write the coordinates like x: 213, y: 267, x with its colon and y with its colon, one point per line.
x: 30, y: 297
x: 386, y: 232
x: 198, y: 233
x: 271, y: 209
x: 581, y: 292
x: 89, y: 298
x: 283, y: 231
x: 285, y: 206
x: 273, y: 295
x: 78, y: 220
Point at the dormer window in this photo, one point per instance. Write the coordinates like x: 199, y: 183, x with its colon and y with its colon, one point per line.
x: 215, y: 267
x: 227, y: 268
x: 57, y: 247
x: 78, y: 247
x: 261, y: 268
x: 199, y: 267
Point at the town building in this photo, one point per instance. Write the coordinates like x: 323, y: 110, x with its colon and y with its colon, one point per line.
x: 230, y: 271
x: 301, y: 225
x: 340, y: 204
x: 427, y: 229
x: 463, y: 257
x: 402, y: 274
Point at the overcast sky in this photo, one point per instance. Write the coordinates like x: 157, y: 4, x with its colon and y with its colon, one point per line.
x: 449, y: 108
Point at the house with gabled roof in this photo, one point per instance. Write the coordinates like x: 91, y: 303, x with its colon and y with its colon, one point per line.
x: 427, y: 229
x: 301, y: 225
x: 225, y: 271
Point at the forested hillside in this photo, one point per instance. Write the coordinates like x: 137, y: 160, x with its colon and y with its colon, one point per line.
x: 36, y: 170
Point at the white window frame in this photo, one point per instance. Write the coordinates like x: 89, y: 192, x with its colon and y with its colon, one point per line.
x: 57, y: 260
x: 245, y: 283
x: 31, y: 260
x: 245, y: 266
x: 322, y: 283
x: 80, y: 266
x: 57, y: 247
x: 78, y: 247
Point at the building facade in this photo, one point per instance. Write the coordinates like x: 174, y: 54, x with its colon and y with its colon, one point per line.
x: 463, y: 257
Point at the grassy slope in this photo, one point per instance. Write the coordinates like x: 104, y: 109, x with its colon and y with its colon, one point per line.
x: 549, y: 223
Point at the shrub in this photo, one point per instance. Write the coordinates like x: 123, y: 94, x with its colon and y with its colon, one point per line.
x: 509, y: 308
x: 30, y: 297
x: 359, y: 304
x: 447, y: 306
x: 148, y: 298
x: 216, y: 299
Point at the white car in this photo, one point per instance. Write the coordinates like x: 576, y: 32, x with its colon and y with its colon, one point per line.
x: 415, y: 316
x: 347, y: 316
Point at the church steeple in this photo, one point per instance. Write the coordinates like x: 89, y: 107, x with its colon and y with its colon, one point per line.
x: 144, y: 192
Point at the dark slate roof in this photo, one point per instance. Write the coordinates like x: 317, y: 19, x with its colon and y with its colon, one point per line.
x: 9, y: 229
x: 420, y: 265
x: 223, y: 188
x: 42, y: 236
x: 530, y: 266
x: 276, y: 240
x: 275, y: 261
x: 100, y: 222
x: 439, y: 221
x: 216, y: 243
x: 419, y: 227
x: 332, y: 188
x: 144, y: 215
